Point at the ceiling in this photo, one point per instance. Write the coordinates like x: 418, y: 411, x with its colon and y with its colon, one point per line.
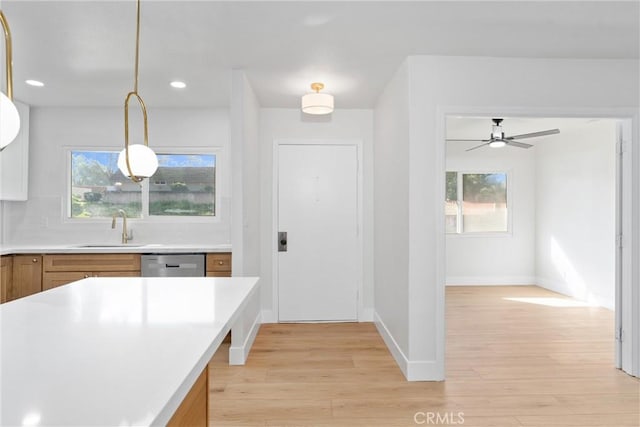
x: 479, y: 128
x: 84, y: 50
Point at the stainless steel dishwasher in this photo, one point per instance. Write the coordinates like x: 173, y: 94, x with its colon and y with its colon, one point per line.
x: 173, y: 265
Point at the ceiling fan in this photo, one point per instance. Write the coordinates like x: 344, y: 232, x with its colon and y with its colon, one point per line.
x: 498, y: 139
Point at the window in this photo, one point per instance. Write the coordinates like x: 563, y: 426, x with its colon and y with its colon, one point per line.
x: 186, y: 185
x: 476, y: 203
x: 183, y: 185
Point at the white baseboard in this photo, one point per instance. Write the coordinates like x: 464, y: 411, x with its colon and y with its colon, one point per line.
x: 566, y: 289
x: 238, y: 354
x: 268, y: 316
x: 419, y: 370
x: 490, y: 281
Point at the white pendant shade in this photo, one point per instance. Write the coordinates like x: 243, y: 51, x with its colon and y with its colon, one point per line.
x: 317, y: 103
x: 9, y: 121
x: 142, y: 159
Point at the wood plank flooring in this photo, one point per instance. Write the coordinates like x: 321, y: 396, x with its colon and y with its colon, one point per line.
x: 509, y: 363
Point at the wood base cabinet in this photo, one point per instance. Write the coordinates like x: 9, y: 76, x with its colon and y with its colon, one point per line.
x: 26, y: 276
x: 194, y: 409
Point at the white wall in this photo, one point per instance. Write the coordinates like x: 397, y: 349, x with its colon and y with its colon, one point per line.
x: 493, y: 86
x: 507, y: 259
x: 278, y: 124
x: 244, y: 117
x: 42, y: 219
x: 391, y: 205
x: 575, y: 194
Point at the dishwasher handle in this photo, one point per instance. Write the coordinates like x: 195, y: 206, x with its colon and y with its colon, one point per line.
x: 172, y: 265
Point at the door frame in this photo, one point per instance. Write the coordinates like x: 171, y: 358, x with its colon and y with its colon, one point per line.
x: 627, y: 284
x: 358, y: 143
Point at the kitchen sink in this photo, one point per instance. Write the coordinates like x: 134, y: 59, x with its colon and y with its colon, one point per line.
x: 103, y: 245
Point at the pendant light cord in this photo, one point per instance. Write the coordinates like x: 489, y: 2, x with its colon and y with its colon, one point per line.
x: 143, y: 108
x: 135, y: 80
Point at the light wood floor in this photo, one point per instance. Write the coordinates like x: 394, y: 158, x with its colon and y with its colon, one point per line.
x: 509, y: 363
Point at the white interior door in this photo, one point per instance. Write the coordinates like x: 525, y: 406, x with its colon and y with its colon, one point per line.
x: 318, y: 209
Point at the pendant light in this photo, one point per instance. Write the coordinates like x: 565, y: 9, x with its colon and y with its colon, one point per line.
x: 317, y: 103
x: 137, y: 161
x: 9, y: 117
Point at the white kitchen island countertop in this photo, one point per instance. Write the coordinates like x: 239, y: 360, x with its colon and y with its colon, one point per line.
x: 112, y: 351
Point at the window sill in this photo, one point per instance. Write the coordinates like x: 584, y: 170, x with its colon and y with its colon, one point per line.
x: 498, y: 235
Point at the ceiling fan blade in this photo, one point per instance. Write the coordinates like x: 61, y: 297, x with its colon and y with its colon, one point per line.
x: 477, y: 146
x: 518, y: 144
x: 534, y: 134
x: 467, y: 140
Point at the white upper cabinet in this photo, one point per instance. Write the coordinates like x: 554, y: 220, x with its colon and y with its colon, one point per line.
x: 14, y: 161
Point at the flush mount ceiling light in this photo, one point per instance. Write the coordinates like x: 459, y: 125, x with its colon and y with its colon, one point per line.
x: 178, y: 84
x: 316, y: 102
x: 9, y: 116
x: 497, y: 143
x: 137, y: 161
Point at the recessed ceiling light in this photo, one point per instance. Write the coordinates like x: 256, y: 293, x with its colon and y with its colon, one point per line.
x: 316, y: 20
x: 35, y: 83
x: 178, y: 84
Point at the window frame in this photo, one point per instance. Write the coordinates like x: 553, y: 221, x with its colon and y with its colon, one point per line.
x: 145, y: 217
x: 459, y: 190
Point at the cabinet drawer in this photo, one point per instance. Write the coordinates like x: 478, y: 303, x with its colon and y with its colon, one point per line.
x: 53, y: 280
x: 59, y: 278
x: 117, y: 274
x: 219, y: 262
x: 92, y: 262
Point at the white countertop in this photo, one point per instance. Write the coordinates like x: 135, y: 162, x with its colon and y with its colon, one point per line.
x: 112, y: 248
x: 112, y: 351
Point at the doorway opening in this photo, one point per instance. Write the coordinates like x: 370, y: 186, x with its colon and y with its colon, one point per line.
x: 545, y: 216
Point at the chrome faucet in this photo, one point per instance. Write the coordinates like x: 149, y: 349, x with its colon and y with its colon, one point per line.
x: 123, y: 214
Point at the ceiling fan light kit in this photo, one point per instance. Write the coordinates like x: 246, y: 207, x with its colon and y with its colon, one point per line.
x: 317, y: 103
x: 497, y: 138
x: 137, y: 161
x: 9, y: 116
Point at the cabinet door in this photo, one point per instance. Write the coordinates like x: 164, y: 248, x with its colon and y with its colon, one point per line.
x: 55, y: 279
x: 219, y: 265
x: 27, y: 276
x: 6, y: 274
